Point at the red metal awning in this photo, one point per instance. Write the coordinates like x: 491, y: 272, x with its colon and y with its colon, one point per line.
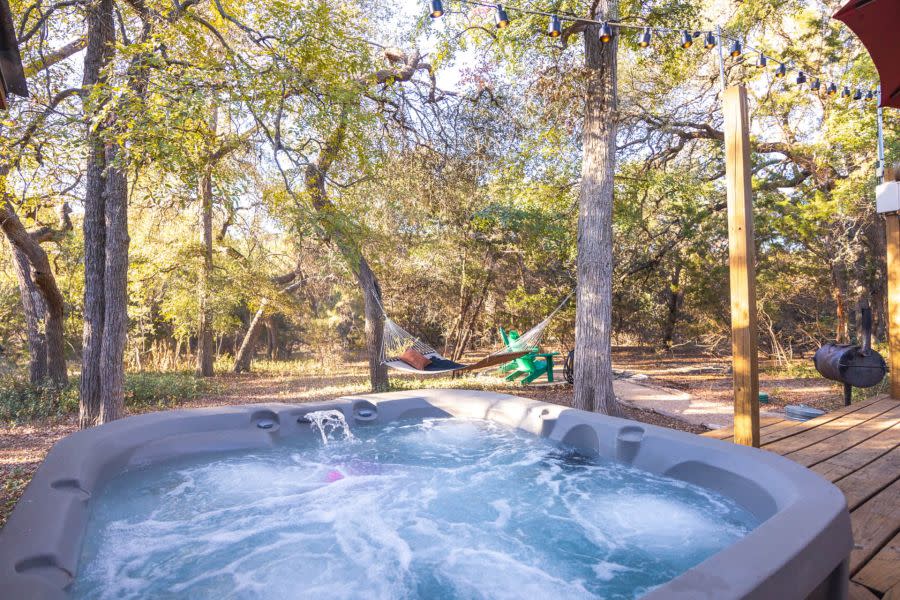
x: 876, y: 23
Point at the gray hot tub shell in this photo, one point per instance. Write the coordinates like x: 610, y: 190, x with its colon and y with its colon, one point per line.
x: 800, y: 549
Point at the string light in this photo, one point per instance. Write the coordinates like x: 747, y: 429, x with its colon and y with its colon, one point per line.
x: 605, y: 33
x: 501, y: 18
x: 644, y: 40
x: 711, y: 40
x: 555, y: 28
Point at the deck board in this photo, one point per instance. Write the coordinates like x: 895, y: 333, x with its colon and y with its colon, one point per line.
x: 874, y: 524
x: 861, y: 485
x: 859, y: 456
x: 845, y: 440
x: 727, y: 433
x: 857, y: 448
x: 818, y: 433
x: 882, y: 572
x: 788, y: 428
x: 859, y: 592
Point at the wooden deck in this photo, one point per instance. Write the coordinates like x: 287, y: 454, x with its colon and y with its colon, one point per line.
x: 858, y: 449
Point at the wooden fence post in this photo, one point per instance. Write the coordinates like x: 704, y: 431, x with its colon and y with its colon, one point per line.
x: 742, y: 267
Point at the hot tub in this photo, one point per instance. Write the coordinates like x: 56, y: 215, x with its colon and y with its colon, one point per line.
x: 701, y: 518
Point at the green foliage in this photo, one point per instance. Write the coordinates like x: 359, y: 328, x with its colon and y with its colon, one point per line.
x: 21, y: 401
x: 146, y: 391
x: 463, y: 199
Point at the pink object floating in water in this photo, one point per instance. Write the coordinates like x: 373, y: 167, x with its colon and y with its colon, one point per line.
x: 334, y: 475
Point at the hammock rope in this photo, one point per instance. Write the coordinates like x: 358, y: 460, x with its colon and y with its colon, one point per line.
x: 397, y: 340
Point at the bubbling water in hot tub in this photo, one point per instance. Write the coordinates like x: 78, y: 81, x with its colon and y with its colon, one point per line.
x: 440, y: 508
x: 328, y: 422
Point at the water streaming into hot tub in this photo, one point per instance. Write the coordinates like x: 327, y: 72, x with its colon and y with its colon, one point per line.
x: 441, y: 508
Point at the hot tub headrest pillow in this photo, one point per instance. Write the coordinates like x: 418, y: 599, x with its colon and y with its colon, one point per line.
x: 415, y: 359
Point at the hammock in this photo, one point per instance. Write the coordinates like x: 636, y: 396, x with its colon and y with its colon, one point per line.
x: 397, y: 340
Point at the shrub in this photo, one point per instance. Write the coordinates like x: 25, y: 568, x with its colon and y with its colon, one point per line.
x: 148, y: 390
x: 21, y: 401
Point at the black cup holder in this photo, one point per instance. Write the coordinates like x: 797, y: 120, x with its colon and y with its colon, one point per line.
x: 364, y: 411
x: 265, y: 420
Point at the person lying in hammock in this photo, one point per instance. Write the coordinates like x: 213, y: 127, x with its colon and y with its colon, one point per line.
x: 411, y: 360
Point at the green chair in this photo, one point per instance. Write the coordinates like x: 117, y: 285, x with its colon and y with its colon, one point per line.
x: 509, y: 341
x: 532, y: 365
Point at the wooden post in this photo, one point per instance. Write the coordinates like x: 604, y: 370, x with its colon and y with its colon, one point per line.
x: 892, y: 235
x: 742, y: 267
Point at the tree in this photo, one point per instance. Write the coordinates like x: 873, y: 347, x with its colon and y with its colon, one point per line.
x: 291, y: 282
x: 47, y: 348
x: 205, y: 195
x: 214, y: 149
x: 99, y: 403
x: 33, y: 126
x: 593, y: 326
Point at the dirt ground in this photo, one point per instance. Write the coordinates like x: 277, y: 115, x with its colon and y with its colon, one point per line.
x: 23, y: 447
x: 709, y: 377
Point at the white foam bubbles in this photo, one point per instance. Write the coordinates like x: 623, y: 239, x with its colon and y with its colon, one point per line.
x: 441, y: 508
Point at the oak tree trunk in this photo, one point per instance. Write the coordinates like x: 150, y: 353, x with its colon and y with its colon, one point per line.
x: 204, y: 331
x: 33, y: 311
x: 593, y: 321
x: 378, y: 376
x: 674, y: 298
x: 245, y: 352
x: 115, y: 299
x: 271, y: 338
x: 839, y: 294
x: 105, y: 238
x: 45, y: 282
x: 350, y: 249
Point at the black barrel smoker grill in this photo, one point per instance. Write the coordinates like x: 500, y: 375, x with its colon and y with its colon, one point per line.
x: 850, y: 364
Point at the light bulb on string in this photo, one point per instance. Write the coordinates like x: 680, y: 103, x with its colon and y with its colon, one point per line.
x: 605, y: 33
x: 554, y: 29
x: 644, y: 39
x: 710, y: 40
x: 501, y: 18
